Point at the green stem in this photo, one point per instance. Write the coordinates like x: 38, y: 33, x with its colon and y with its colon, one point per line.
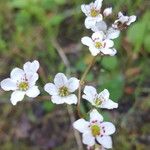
x: 82, y: 83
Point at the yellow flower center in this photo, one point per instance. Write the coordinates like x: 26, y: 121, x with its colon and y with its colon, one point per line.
x: 98, y: 44
x: 95, y: 130
x: 23, y: 86
x: 98, y: 101
x: 63, y: 91
x: 94, y: 12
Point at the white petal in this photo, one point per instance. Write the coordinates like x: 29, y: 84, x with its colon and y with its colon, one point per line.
x: 51, y: 89
x: 60, y: 80
x: 107, y: 11
x: 8, y: 84
x: 31, y: 66
x: 105, y: 141
x: 57, y: 99
x: 90, y: 22
x: 112, y: 33
x: 99, y: 26
x: 71, y: 99
x: 131, y: 19
x: 95, y: 115
x: 94, y: 51
x: 98, y: 36
x: 88, y: 139
x: 120, y: 14
x: 108, y: 51
x: 109, y: 128
x: 108, y: 43
x: 16, y: 74
x: 85, y: 9
x: 73, y: 84
x: 104, y: 94
x: 89, y: 93
x: 81, y: 125
x: 109, y: 104
x: 33, y: 91
x: 98, y: 4
x: 17, y: 96
x: 87, y: 41
x: 32, y: 78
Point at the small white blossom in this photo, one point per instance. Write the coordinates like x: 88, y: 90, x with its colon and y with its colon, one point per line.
x: 95, y: 130
x: 92, y: 11
x: 123, y: 21
x: 62, y: 89
x: 22, y: 82
x: 98, y: 45
x: 109, y: 33
x: 107, y: 11
x: 100, y: 100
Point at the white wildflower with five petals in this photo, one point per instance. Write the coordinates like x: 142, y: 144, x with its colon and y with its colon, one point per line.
x: 109, y: 33
x: 22, y: 82
x: 95, y: 130
x: 123, y: 21
x: 100, y: 100
x: 98, y: 45
x: 62, y: 89
x: 92, y: 11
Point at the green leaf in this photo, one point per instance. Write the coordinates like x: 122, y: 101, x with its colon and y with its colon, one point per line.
x: 147, y: 43
x: 109, y: 63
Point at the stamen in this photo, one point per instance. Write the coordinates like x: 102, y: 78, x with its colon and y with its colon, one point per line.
x: 23, y: 86
x: 63, y: 91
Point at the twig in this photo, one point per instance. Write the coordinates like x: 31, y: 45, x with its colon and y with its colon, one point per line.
x: 69, y: 108
x: 82, y: 83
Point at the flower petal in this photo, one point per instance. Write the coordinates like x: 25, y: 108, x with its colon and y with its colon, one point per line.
x: 95, y: 115
x: 108, y: 51
x: 87, y: 41
x: 73, y: 84
x: 17, y: 74
x: 51, y: 89
x: 88, y: 139
x: 98, y: 4
x: 131, y: 19
x: 89, y: 94
x: 105, y: 141
x: 81, y: 125
x: 94, y: 51
x: 104, y: 95
x: 85, y: 9
x: 108, y: 43
x: 17, y: 96
x: 112, y: 33
x: 60, y: 80
x: 57, y: 99
x: 90, y: 22
x: 109, y: 128
x: 33, y: 91
x: 31, y: 67
x: 107, y: 11
x: 99, y: 26
x: 98, y: 36
x: 32, y: 79
x: 8, y: 84
x: 109, y: 104
x: 71, y: 99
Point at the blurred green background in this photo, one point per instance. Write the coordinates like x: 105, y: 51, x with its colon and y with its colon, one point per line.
x: 46, y: 29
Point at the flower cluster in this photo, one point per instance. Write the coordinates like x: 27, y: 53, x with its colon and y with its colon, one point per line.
x: 23, y: 81
x: 101, y: 40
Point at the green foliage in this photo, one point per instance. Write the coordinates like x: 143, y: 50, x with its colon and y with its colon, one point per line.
x: 48, y: 106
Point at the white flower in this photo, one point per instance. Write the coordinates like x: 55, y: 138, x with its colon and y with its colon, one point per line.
x: 62, y: 89
x: 123, y: 21
x: 100, y: 100
x: 107, y: 11
x: 97, y: 44
x: 92, y: 11
x: 22, y: 82
x: 109, y: 33
x: 95, y: 130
